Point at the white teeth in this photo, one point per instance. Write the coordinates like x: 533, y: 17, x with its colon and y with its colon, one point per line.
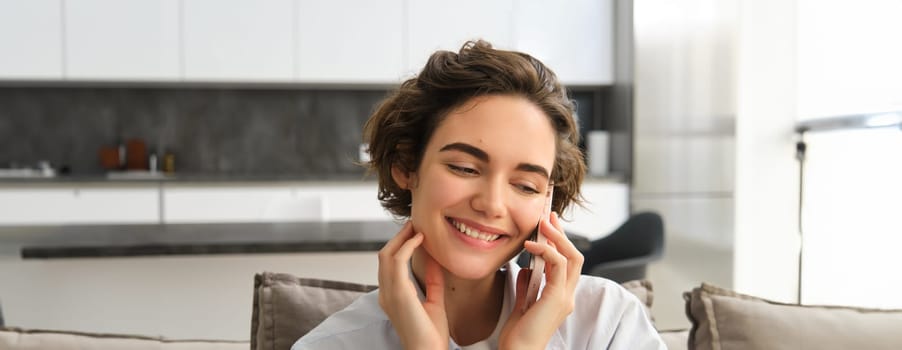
x: 474, y: 233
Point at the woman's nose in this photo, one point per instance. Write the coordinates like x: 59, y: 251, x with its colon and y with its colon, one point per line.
x: 489, y: 199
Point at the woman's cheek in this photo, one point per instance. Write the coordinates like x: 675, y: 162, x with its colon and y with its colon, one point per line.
x: 527, y: 216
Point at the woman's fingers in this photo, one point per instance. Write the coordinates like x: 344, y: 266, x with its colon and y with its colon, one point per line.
x: 555, y: 234
x: 394, y: 259
x: 420, y: 325
x: 555, y: 263
x: 387, y: 253
x: 563, y: 262
x: 403, y: 235
x: 400, y: 260
x: 563, y: 244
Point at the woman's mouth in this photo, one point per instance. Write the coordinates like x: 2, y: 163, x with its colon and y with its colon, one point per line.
x: 472, y: 232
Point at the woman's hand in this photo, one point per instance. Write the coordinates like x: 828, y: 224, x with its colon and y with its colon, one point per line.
x: 420, y: 325
x: 533, y: 328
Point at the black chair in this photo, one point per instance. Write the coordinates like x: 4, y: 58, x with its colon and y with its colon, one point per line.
x: 624, y: 254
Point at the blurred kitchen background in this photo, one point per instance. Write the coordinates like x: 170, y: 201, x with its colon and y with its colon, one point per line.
x: 148, y: 113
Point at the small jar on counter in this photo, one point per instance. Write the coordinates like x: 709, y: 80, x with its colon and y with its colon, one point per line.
x: 169, y: 163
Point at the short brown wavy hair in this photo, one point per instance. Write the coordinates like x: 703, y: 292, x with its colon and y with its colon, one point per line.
x: 400, y: 128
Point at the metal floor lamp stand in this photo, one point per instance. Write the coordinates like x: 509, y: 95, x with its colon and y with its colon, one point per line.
x: 846, y: 122
x: 801, y: 148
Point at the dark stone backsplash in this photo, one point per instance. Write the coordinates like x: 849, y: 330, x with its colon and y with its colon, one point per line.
x: 311, y: 134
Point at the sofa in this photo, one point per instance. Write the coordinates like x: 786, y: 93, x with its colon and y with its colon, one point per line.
x: 285, y: 307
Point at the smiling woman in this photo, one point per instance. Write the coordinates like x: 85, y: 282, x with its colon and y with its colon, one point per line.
x: 402, y: 126
x: 467, y: 152
x: 484, y: 170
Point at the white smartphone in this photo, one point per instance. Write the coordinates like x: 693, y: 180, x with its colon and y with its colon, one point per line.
x: 536, y: 263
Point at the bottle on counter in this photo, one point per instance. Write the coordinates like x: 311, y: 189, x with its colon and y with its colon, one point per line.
x: 169, y: 163
x: 121, y: 155
x: 136, y: 154
x: 109, y: 158
x: 153, y: 162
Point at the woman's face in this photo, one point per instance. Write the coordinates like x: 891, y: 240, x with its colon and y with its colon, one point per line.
x: 480, y: 188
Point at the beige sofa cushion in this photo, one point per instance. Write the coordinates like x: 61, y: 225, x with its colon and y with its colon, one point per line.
x: 29, y: 339
x: 287, y: 307
x: 725, y: 320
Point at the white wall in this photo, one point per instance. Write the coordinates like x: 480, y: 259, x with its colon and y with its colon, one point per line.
x: 182, y: 297
x: 850, y: 62
x: 851, y: 219
x: 849, y: 57
x: 684, y: 142
x: 766, y: 192
x: 799, y: 60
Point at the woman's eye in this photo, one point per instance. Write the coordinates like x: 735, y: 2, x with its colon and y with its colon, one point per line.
x: 527, y: 189
x: 462, y: 170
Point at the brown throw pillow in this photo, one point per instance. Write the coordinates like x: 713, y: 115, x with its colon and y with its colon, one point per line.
x: 726, y: 320
x: 287, y: 307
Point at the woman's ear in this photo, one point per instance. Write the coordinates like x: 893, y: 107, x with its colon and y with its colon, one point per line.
x: 401, y: 177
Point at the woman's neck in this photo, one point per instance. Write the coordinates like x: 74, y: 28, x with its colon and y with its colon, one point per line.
x: 473, y: 307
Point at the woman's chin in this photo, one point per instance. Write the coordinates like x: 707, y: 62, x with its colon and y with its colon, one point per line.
x: 472, y: 270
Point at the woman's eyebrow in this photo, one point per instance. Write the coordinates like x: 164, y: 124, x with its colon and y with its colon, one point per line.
x: 466, y: 148
x: 533, y: 168
x: 481, y: 155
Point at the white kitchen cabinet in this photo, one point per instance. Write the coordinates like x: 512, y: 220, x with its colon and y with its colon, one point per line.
x: 606, y: 208
x: 352, y: 202
x: 350, y: 41
x: 79, y: 204
x: 306, y: 41
x: 31, y: 45
x: 122, y: 40
x: 573, y: 37
x: 436, y: 24
x: 238, y: 40
x: 206, y: 203
x: 239, y: 203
